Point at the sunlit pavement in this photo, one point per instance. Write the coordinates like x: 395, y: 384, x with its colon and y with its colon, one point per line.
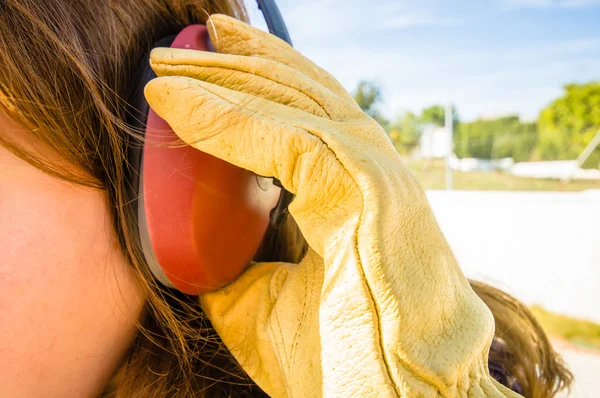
x: 586, y: 368
x: 538, y: 246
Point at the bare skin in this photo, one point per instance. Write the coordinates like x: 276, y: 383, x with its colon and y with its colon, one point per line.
x: 68, y: 300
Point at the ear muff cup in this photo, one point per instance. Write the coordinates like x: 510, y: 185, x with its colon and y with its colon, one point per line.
x: 201, y: 220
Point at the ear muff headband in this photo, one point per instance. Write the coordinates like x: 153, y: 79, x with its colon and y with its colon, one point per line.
x: 201, y: 220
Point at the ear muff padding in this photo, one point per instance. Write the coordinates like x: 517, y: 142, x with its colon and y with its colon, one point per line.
x: 201, y: 219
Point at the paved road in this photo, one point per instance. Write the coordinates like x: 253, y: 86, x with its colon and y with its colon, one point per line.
x: 541, y: 247
x: 586, y: 368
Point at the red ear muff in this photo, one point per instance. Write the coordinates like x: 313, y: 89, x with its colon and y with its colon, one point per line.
x: 201, y: 219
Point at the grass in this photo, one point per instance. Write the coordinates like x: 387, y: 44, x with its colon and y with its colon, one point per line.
x: 431, y: 175
x: 577, y: 331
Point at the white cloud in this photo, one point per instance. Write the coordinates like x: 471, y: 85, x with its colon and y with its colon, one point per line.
x: 521, y: 80
x: 552, y: 3
x: 482, y: 81
x: 330, y: 19
x: 415, y: 18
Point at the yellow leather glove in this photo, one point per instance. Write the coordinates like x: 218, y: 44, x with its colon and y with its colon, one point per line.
x: 379, y: 306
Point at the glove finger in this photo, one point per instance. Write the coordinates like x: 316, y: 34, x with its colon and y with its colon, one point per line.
x: 260, y: 77
x: 232, y: 36
x: 265, y: 137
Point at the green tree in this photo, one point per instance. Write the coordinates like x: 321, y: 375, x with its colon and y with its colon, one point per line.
x: 569, y: 123
x: 405, y: 132
x: 496, y: 138
x: 368, y: 96
x: 517, y: 141
x: 436, y: 114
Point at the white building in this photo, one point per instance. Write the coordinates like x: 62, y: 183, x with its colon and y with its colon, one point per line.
x: 435, y: 142
x: 558, y: 169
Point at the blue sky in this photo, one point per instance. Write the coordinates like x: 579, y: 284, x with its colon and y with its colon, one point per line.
x: 490, y: 57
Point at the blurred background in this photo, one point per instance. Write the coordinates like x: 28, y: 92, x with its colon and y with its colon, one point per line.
x: 495, y: 107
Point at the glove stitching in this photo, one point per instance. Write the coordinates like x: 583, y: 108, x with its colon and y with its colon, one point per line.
x: 413, y: 372
x: 405, y: 365
x: 277, y: 324
x: 296, y: 338
x: 369, y: 288
x: 375, y: 306
x: 167, y: 65
x: 265, y: 40
x: 250, y: 32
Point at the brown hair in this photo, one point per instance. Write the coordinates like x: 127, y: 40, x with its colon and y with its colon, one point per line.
x: 65, y: 70
x: 521, y: 348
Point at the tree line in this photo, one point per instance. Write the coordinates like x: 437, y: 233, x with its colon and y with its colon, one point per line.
x: 561, y: 132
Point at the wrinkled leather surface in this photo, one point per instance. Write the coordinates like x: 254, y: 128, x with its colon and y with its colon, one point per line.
x: 379, y: 306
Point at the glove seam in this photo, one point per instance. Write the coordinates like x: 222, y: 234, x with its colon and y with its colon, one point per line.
x: 381, y: 346
x: 375, y: 305
x: 386, y: 360
x: 478, y: 378
x: 168, y: 65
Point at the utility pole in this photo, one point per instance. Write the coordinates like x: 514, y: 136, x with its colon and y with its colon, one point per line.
x: 449, y: 126
x: 583, y: 157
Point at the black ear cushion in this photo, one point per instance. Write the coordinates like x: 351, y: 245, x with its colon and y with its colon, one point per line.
x: 137, y: 117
